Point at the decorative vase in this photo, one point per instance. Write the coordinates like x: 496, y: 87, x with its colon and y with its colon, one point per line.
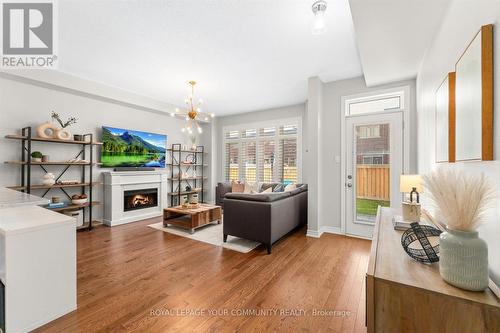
x: 463, y: 259
x: 46, y: 130
x: 63, y: 134
x: 48, y: 179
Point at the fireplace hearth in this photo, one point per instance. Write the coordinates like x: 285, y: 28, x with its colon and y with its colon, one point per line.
x: 140, y: 199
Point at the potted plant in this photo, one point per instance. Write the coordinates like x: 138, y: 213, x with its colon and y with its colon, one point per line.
x: 63, y: 133
x: 461, y: 202
x: 36, y: 156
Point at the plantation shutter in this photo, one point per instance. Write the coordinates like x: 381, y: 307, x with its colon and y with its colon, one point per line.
x: 264, y: 154
x: 249, y: 161
x: 288, y: 154
x: 232, y: 152
x: 267, y: 155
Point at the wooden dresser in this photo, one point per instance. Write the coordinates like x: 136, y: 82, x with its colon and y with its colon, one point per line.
x: 406, y: 296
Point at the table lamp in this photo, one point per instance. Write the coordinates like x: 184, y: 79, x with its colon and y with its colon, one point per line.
x: 413, y: 185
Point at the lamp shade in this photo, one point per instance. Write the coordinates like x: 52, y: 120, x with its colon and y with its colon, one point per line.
x: 408, y: 182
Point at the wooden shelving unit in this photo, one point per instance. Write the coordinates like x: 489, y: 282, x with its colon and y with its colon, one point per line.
x: 75, y: 207
x: 34, y: 138
x: 183, y: 192
x: 86, y: 184
x: 178, y: 163
x: 45, y: 187
x: 47, y: 163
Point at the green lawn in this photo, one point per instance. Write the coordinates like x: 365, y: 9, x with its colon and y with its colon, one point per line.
x: 369, y: 207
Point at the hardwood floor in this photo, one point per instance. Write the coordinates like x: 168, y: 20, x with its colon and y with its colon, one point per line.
x: 133, y: 278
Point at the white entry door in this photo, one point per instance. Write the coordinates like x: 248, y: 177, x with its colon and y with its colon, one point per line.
x: 374, y: 163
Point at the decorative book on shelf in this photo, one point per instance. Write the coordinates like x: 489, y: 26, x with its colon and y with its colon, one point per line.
x: 84, y: 160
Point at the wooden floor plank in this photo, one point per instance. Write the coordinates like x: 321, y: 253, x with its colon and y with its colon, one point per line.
x: 132, y: 278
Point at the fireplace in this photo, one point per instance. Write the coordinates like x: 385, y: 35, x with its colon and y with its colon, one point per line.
x: 140, y: 199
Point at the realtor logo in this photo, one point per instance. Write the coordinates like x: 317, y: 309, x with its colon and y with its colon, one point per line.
x: 28, y: 30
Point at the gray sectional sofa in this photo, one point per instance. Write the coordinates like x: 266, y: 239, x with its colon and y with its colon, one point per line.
x: 264, y: 217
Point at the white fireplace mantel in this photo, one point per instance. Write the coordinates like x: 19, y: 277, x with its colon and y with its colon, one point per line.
x: 117, y: 182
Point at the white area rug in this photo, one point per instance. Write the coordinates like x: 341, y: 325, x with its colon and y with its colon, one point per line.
x: 211, y: 234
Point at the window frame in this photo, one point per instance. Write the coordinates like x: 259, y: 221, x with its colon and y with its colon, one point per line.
x: 376, y: 96
x: 277, y: 137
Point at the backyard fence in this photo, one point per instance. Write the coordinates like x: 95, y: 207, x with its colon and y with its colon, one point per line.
x: 290, y: 173
x: 373, y: 181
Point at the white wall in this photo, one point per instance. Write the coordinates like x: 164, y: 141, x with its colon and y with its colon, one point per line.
x: 462, y: 21
x: 26, y: 102
x: 330, y: 138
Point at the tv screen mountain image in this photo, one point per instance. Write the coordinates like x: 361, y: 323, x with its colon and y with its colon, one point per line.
x: 129, y: 148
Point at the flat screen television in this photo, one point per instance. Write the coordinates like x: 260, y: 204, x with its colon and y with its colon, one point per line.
x: 129, y: 148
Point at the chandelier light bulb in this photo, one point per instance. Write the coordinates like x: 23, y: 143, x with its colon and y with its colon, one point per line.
x: 319, y: 24
x: 212, y: 115
x: 172, y: 114
x: 183, y: 130
x: 206, y: 118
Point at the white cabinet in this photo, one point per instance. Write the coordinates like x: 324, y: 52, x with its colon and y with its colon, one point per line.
x: 37, y: 266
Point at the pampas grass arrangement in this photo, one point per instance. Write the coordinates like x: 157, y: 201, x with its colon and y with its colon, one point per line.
x: 461, y: 200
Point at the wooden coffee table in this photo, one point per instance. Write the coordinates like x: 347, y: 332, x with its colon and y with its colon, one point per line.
x: 192, y: 218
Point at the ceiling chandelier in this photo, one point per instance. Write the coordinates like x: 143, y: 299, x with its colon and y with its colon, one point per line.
x: 192, y: 113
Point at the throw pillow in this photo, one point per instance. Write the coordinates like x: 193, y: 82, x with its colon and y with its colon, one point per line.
x: 250, y: 187
x: 268, y: 190
x: 290, y: 187
x: 279, y: 188
x: 237, y: 187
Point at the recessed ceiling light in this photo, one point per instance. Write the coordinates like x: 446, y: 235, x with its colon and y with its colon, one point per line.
x: 319, y: 24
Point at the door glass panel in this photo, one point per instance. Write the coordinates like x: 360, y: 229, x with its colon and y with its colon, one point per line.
x: 372, y: 164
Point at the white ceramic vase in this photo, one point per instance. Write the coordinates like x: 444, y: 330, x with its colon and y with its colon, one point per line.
x: 48, y: 179
x: 463, y: 259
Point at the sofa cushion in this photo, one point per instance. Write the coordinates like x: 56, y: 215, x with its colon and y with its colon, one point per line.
x: 251, y: 187
x: 268, y: 190
x: 267, y: 197
x: 290, y: 187
x: 279, y: 188
x: 265, y: 186
x: 237, y: 187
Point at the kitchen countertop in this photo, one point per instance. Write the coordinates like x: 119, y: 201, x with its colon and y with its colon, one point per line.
x: 11, y: 198
x: 18, y: 220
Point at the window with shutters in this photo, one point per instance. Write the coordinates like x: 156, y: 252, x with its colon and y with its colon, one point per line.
x: 269, y: 152
x: 232, y: 161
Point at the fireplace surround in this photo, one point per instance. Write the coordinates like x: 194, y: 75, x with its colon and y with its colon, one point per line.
x: 131, y: 196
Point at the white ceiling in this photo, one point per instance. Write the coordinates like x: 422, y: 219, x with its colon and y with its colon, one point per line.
x: 393, y: 35
x: 246, y: 55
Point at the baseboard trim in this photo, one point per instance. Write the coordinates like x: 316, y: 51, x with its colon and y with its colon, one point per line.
x: 359, y: 237
x: 322, y: 230
x: 332, y: 230
x: 313, y: 233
